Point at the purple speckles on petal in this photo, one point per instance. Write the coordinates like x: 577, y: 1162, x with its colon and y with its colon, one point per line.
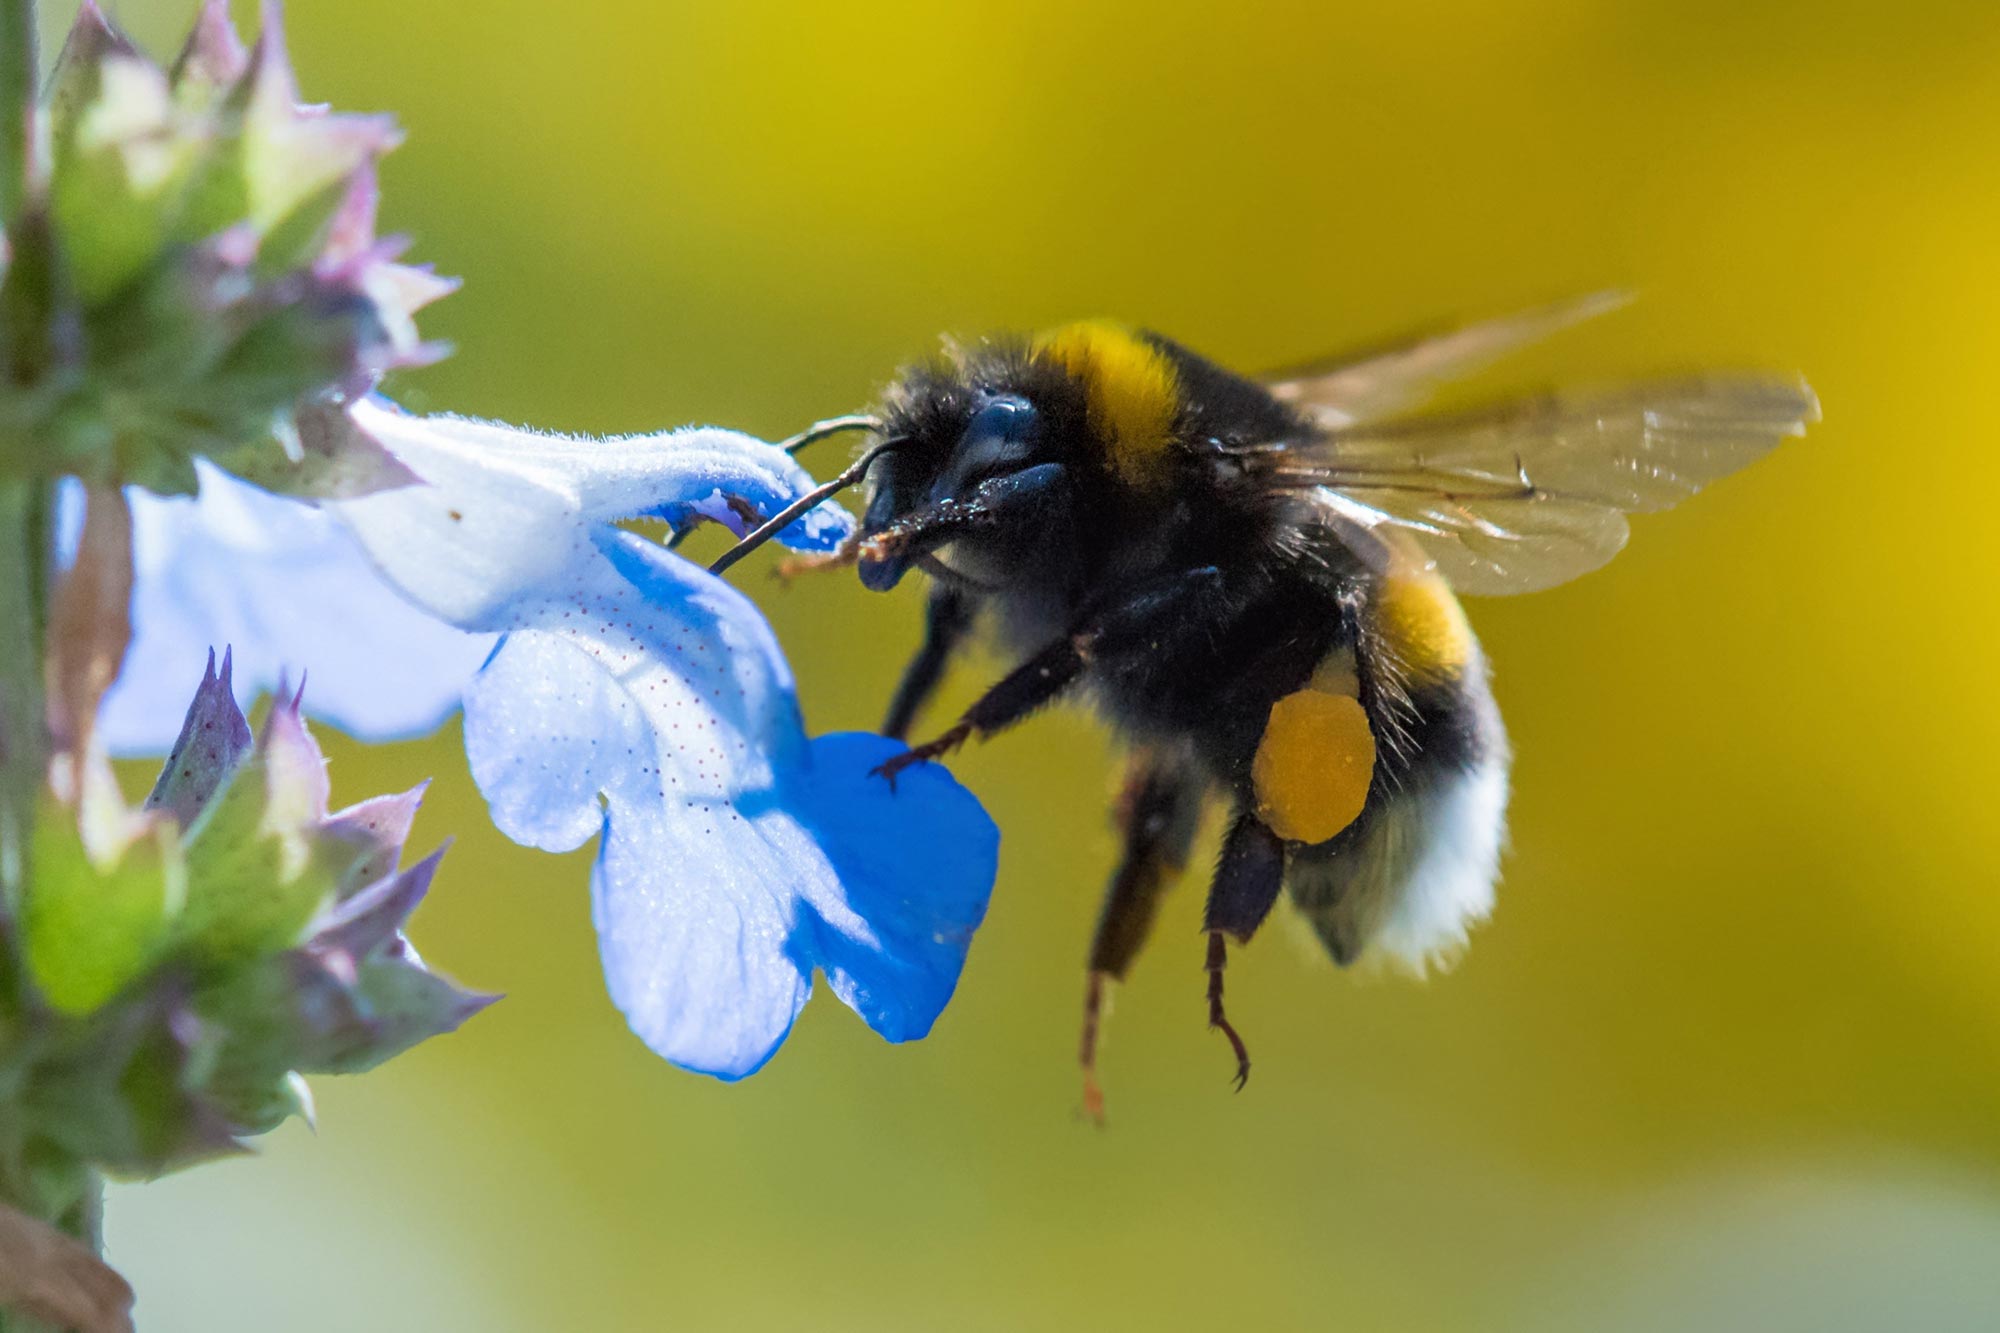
x: 711, y: 927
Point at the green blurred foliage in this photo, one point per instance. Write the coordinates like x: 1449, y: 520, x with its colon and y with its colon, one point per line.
x: 1725, y: 1058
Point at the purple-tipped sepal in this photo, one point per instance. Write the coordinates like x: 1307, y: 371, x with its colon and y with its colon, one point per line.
x: 184, y: 964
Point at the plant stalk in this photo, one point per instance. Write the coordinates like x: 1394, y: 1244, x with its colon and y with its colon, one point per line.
x: 18, y: 91
x: 24, y: 572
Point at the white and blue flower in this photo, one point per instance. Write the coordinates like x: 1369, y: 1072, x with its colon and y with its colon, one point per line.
x: 609, y: 687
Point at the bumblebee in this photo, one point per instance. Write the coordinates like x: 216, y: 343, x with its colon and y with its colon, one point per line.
x: 1256, y: 585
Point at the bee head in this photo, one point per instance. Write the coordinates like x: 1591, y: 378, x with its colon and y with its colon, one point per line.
x: 956, y: 428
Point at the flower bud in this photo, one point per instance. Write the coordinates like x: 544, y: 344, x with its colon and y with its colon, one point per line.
x: 196, y: 273
x: 182, y: 964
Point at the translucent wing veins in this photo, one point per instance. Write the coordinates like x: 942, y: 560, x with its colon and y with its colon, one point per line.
x: 1532, y: 493
x: 1400, y: 376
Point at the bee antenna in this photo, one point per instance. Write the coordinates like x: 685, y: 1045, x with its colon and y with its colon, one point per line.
x: 822, y: 430
x: 776, y: 523
x: 813, y: 434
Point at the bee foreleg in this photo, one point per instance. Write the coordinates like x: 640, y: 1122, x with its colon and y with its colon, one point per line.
x: 1158, y: 814
x: 797, y: 566
x: 948, y: 616
x: 1145, y: 615
x: 1247, y: 882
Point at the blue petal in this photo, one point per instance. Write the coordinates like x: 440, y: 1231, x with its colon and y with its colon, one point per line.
x: 735, y: 859
x: 820, y: 528
x: 287, y: 586
x: 646, y: 676
x: 696, y: 920
x: 913, y: 869
x: 711, y: 917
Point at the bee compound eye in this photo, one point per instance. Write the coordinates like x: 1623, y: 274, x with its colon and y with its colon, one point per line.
x: 999, y: 438
x: 1003, y: 419
x: 882, y: 509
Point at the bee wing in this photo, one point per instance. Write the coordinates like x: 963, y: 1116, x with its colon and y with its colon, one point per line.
x: 1400, y: 376
x: 1532, y: 493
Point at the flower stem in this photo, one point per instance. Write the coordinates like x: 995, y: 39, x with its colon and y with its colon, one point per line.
x: 66, y: 1194
x: 18, y: 54
x: 23, y: 580
x: 24, y: 555
x: 82, y: 1215
x: 69, y: 1197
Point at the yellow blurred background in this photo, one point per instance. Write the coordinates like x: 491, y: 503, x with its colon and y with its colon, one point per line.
x: 1728, y: 1057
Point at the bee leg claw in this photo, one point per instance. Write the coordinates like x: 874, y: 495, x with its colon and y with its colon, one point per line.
x: 1093, y: 1101
x: 1093, y: 1010
x: 1217, y: 957
x: 937, y: 749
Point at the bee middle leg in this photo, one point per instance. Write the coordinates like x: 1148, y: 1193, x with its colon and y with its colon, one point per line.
x: 948, y: 616
x: 1158, y: 813
x: 1248, y: 879
x: 1142, y: 620
x: 1020, y: 692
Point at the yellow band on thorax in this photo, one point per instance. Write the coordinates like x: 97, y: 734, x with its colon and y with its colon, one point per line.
x: 1132, y: 390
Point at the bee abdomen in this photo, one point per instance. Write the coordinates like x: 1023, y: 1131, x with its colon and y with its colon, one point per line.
x: 1415, y: 869
x: 1413, y: 874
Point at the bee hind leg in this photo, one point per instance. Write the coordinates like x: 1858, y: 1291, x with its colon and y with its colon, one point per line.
x: 1218, y: 958
x: 1247, y: 882
x: 1158, y: 813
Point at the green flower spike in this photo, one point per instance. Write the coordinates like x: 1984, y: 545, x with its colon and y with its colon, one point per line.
x: 193, y: 271
x: 180, y: 966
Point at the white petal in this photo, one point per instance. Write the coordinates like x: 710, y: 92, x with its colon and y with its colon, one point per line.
x: 507, y: 513
x: 291, y: 591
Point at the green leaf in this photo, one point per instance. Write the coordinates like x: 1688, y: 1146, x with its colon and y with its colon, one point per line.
x: 296, y: 164
x: 405, y: 1003
x: 118, y: 169
x: 352, y: 996
x: 89, y: 930
x: 372, y: 833
x: 252, y: 889
x: 123, y: 1089
x: 258, y: 1103
x: 258, y: 869
x: 212, y: 60
x: 74, y: 83
x: 195, y: 261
